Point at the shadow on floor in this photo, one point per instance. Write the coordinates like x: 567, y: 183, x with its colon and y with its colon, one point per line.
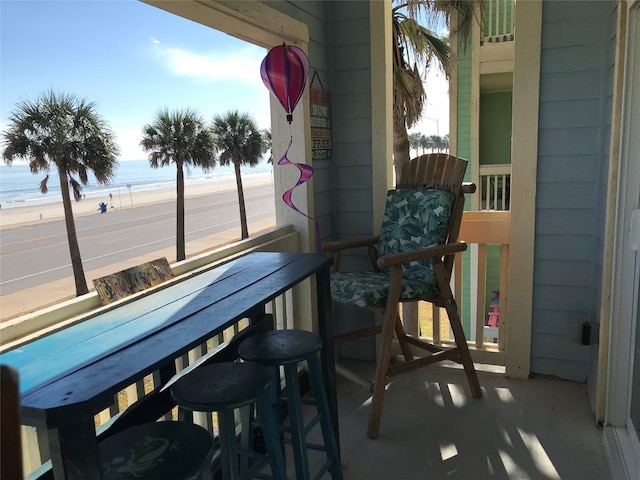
x: 433, y: 429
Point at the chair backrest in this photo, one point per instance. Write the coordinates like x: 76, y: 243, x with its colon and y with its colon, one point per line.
x: 415, y: 218
x: 435, y: 170
x: 443, y: 172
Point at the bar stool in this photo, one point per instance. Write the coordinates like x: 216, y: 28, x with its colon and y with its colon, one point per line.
x: 158, y: 451
x: 222, y: 388
x: 287, y: 348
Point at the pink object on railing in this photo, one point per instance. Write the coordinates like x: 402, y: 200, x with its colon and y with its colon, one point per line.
x: 493, y: 316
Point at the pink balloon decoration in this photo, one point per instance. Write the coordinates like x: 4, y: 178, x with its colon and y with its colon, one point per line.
x: 284, y: 72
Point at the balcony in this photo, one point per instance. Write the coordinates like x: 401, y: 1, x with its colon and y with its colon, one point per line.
x: 431, y: 427
x: 497, y: 45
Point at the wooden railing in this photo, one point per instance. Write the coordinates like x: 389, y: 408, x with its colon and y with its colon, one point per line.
x: 34, y: 441
x: 483, y: 229
x: 479, y: 230
x: 495, y: 187
x: 499, y: 21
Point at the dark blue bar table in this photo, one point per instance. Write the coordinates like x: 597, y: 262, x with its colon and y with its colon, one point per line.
x: 66, y: 378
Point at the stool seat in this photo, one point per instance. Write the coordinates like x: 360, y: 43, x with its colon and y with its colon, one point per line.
x: 158, y: 451
x: 285, y: 349
x: 224, y: 388
x: 225, y: 385
x: 280, y: 347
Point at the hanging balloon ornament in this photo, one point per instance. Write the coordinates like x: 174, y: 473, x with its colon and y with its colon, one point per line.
x: 284, y: 72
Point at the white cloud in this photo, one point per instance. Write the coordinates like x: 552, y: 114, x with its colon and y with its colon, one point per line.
x: 129, y: 142
x: 239, y: 64
x: 435, y: 116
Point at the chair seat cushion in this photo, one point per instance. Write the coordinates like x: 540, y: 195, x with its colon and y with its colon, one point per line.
x: 368, y: 289
x: 414, y: 219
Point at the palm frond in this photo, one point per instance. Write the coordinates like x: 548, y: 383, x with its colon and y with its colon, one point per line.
x: 64, y: 130
x: 178, y: 136
x: 76, y: 188
x: 43, y: 185
x: 238, y: 139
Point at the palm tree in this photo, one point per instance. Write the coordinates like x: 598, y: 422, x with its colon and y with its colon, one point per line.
x: 434, y: 141
x: 179, y: 137
x: 239, y: 142
x: 268, y: 144
x: 416, y: 47
x: 414, y: 141
x: 63, y: 131
x: 445, y: 142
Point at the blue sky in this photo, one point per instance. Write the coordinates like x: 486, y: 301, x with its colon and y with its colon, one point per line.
x: 131, y: 59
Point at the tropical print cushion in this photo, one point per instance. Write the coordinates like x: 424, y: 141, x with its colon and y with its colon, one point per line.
x: 413, y: 219
x: 367, y: 289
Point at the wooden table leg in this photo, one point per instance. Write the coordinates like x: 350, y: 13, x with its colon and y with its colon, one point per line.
x: 327, y: 354
x: 74, y: 450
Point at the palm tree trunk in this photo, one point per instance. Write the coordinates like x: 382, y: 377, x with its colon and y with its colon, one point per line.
x: 180, y: 245
x: 243, y: 212
x: 400, y: 146
x: 72, y: 236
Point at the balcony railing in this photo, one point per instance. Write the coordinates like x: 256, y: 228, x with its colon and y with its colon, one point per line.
x: 495, y: 187
x: 479, y: 230
x: 499, y: 21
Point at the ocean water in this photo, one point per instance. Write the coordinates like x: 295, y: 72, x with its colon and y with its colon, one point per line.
x: 19, y: 187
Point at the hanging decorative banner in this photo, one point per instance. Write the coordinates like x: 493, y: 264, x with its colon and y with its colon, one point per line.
x: 284, y: 72
x: 320, y: 121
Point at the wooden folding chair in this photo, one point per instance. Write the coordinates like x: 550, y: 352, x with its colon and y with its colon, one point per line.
x: 413, y: 260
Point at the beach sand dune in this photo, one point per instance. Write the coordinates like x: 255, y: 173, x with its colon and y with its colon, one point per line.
x: 32, y: 299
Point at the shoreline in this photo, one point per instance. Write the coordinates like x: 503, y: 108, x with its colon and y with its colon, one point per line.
x: 47, y: 212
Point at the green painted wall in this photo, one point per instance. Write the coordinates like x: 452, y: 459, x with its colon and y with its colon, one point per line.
x: 495, y: 148
x: 463, y: 105
x: 495, y: 128
x: 463, y: 149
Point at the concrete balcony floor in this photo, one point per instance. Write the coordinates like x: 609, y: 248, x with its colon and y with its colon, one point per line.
x: 433, y: 429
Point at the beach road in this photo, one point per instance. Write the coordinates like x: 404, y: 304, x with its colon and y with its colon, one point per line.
x: 35, y: 266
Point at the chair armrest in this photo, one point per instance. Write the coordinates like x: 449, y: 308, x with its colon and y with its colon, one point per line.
x: 468, y: 187
x: 436, y: 251
x: 338, y: 245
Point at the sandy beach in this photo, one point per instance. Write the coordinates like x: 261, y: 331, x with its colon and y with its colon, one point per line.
x: 11, y: 217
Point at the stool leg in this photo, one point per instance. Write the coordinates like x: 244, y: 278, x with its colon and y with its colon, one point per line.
x: 315, y: 375
x: 296, y: 422
x: 267, y: 411
x: 228, y: 448
x: 246, y: 443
